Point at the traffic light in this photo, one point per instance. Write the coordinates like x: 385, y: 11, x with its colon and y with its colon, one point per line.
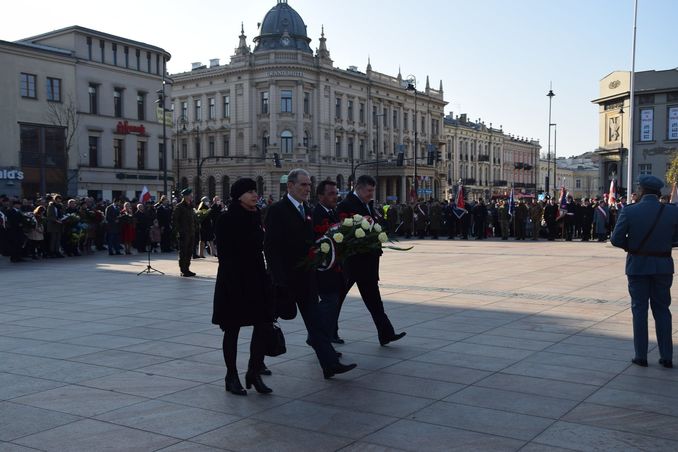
x: 276, y: 160
x: 401, y: 158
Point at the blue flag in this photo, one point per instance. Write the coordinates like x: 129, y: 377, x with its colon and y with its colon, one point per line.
x: 512, y: 203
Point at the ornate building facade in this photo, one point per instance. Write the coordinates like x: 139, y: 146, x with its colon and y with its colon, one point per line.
x: 282, y: 99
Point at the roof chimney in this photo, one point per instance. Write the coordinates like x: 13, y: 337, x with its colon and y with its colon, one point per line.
x: 214, y: 62
x: 196, y: 65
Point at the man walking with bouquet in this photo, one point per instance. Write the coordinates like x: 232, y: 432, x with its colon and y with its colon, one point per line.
x: 363, y: 269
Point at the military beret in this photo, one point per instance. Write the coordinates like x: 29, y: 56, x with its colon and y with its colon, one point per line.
x: 186, y: 192
x: 650, y: 182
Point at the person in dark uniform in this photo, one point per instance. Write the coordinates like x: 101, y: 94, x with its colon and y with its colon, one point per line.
x: 503, y: 218
x: 420, y: 219
x: 521, y: 215
x: 586, y: 220
x: 570, y: 218
x: 183, y: 222
x: 363, y: 269
x: 164, y: 212
x: 480, y: 219
x: 550, y: 217
x: 15, y: 233
x: 647, y: 231
x: 408, y: 221
x: 435, y: 216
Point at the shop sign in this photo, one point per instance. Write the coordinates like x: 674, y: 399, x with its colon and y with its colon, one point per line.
x: 124, y: 128
x: 11, y: 174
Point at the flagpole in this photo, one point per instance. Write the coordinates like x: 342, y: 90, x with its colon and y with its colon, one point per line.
x: 632, y: 92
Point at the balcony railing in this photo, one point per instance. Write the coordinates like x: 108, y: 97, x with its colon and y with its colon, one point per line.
x: 483, y: 158
x: 500, y: 183
x: 469, y: 181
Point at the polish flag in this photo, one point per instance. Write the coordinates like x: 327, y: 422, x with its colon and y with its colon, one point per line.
x: 145, y: 195
x: 612, y: 197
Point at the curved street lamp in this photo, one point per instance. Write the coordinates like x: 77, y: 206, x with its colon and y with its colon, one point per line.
x: 412, y: 86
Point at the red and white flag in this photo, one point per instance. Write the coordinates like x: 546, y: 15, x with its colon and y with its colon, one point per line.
x: 674, y: 195
x: 145, y: 195
x: 612, y: 197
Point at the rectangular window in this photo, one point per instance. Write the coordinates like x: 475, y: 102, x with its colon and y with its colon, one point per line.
x: 337, y: 108
x: 213, y: 107
x: 141, y: 106
x: 405, y: 119
x: 102, y: 46
x: 645, y: 169
x: 27, y: 86
x: 157, y: 64
x: 127, y: 57
x: 350, y: 110
x: 227, y: 106
x: 93, y: 151
x: 307, y: 103
x: 395, y: 119
x: 54, y: 89
x: 117, y: 153
x: 148, y: 62
x: 211, y: 147
x: 161, y: 156
x: 198, y: 110
x: 362, y: 150
x: 117, y: 102
x: 286, y: 141
x: 646, y: 124
x: 646, y: 99
x: 337, y: 146
x: 184, y: 149
x: 138, y: 55
x: 197, y: 148
x: 577, y: 183
x: 93, y: 91
x: 361, y: 113
x: 384, y: 117
x: 286, y: 101
x: 184, y: 110
x: 89, y: 48
x: 141, y: 155
x: 227, y: 145
x: 374, y: 116
x: 423, y: 125
x: 264, y: 103
x: 114, y: 50
x: 673, y: 124
x: 350, y: 147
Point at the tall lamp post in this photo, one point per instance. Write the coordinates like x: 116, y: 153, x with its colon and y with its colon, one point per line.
x: 412, y: 86
x: 550, y: 95
x: 555, y: 159
x: 198, y: 167
x: 161, y: 101
x: 621, y: 146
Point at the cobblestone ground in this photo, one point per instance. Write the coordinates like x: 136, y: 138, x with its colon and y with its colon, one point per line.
x: 510, y: 346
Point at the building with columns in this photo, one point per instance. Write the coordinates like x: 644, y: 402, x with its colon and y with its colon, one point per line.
x: 282, y: 98
x: 487, y: 161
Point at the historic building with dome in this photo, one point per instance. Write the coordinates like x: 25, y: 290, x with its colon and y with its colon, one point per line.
x: 284, y: 99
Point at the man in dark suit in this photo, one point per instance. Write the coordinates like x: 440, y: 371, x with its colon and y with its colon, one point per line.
x: 289, y: 236
x: 647, y: 231
x: 363, y: 269
x: 15, y: 233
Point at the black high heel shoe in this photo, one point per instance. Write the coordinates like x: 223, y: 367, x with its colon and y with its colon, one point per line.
x: 233, y: 385
x: 254, y: 379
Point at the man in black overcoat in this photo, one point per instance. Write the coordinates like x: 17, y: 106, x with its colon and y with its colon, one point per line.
x: 289, y: 237
x: 363, y: 269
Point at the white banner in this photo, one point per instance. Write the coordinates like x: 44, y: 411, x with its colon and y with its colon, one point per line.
x: 646, y: 123
x: 673, y: 123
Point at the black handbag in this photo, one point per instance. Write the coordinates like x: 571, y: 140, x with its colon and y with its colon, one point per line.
x: 285, y: 306
x: 275, y: 340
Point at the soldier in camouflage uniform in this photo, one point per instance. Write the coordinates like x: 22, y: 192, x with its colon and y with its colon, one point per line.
x: 183, y: 222
x: 536, y: 214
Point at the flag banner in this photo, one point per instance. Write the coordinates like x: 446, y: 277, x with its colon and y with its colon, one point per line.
x: 145, y: 195
x: 563, y: 197
x: 612, y: 196
x: 674, y: 195
x: 512, y: 203
x: 459, y: 208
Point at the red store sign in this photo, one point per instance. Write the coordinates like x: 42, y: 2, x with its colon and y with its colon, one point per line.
x: 123, y: 128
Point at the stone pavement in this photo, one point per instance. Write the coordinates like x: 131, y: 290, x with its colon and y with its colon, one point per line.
x: 510, y: 346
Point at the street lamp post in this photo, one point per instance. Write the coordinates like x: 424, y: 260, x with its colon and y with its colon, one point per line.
x: 412, y: 86
x: 550, y: 95
x: 621, y: 145
x: 555, y: 160
x: 197, y: 162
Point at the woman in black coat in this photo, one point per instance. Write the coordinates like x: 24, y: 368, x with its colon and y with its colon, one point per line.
x: 241, y: 291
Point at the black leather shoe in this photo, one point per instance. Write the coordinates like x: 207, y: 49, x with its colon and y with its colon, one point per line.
x: 254, y: 379
x: 266, y: 371
x: 666, y: 363
x: 234, y: 386
x: 337, y: 340
x: 639, y: 362
x: 339, y: 354
x: 337, y: 369
x: 393, y: 338
x: 188, y: 274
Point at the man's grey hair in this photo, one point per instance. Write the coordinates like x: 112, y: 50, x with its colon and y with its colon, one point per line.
x: 295, y: 173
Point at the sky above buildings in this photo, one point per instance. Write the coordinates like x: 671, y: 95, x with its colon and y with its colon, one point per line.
x: 495, y: 58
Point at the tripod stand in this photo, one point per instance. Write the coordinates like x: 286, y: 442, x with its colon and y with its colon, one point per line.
x: 149, y: 269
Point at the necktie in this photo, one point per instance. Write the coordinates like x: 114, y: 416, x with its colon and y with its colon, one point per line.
x: 301, y: 211
x: 367, y: 206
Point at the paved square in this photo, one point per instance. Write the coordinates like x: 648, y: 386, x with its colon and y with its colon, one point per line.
x: 510, y: 346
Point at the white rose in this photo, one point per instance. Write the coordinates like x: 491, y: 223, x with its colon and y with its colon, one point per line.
x: 357, y: 218
x: 383, y: 238
x: 365, y: 225
x: 348, y: 222
x: 359, y: 233
x: 324, y: 247
x: 377, y: 227
x: 338, y: 237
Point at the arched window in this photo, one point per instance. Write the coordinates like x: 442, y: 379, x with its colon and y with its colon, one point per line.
x: 340, y: 182
x: 306, y: 140
x: 211, y: 187
x: 286, y: 141
x: 260, y: 186
x: 225, y: 187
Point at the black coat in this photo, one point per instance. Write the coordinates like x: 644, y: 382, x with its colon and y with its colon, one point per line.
x: 242, y: 291
x: 361, y: 267
x: 289, y: 238
x: 332, y: 280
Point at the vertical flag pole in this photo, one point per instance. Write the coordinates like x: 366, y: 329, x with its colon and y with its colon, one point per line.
x: 632, y: 92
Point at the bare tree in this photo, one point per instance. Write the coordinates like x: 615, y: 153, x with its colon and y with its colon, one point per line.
x: 64, y: 114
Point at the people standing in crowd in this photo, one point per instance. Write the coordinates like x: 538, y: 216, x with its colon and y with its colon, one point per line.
x: 408, y: 220
x: 36, y: 235
x: 215, y: 211
x: 55, y: 211
x: 647, y: 231
x: 183, y: 222
x: 504, y: 218
x: 141, y: 228
x: 536, y: 216
x: 289, y: 236
x: 480, y: 219
x: 363, y: 269
x: 15, y: 235
x: 113, y: 228
x: 206, y: 226
x: 587, y: 211
x: 521, y: 215
x: 570, y: 218
x: 420, y: 219
x: 550, y: 217
x: 155, y: 236
x: 242, y: 290
x: 164, y: 215
x: 435, y: 219
x: 601, y: 216
x: 127, y: 227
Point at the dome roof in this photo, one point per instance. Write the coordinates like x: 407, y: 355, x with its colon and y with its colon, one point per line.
x: 283, y: 28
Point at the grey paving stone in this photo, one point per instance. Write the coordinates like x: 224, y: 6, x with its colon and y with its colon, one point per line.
x: 412, y: 386
x: 78, y: 400
x: 120, y: 359
x: 21, y: 420
x: 562, y: 373
x: 538, y: 386
x: 255, y: 435
x: 60, y: 370
x: 636, y: 401
x: 360, y: 446
x: 140, y: 383
x: 188, y: 370
x: 465, y: 360
x: 419, y: 436
x: 187, y: 446
x: 56, y: 350
x: 512, y: 342
x: 578, y: 362
x: 592, y: 352
x: 88, y: 434
x: 12, y: 385
x: 451, y: 374
x: 368, y: 400
x: 586, y: 438
x: 487, y: 351
x: 646, y: 385
x: 166, y: 349
x: 11, y: 447
x: 105, y: 341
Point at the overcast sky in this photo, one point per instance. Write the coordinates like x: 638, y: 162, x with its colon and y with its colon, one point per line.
x: 495, y: 57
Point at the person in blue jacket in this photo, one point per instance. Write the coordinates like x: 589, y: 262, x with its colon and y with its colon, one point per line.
x: 647, y: 231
